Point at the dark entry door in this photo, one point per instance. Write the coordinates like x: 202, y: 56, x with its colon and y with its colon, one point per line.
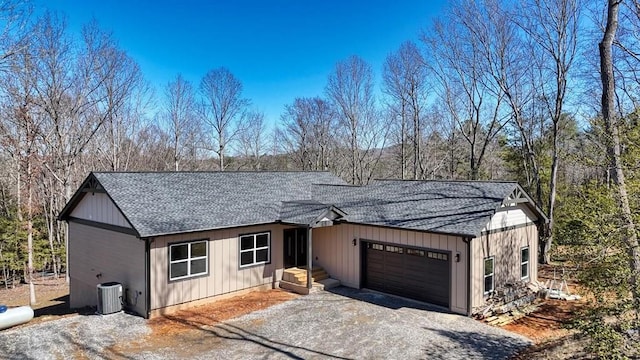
x: 295, y: 248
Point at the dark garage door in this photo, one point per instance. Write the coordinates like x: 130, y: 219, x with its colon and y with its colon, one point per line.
x: 419, y: 274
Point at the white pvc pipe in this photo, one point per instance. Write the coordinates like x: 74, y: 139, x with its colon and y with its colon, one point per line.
x: 15, y: 316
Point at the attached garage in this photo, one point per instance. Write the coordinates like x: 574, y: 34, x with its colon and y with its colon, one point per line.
x: 416, y: 273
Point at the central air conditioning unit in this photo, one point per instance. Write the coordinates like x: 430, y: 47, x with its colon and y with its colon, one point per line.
x: 109, y: 298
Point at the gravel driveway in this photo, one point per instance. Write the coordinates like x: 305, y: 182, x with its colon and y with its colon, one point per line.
x: 341, y: 324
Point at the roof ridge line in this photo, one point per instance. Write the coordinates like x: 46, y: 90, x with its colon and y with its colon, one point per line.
x: 212, y: 172
x: 452, y: 180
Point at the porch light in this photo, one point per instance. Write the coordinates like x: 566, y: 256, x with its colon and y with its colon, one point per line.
x: 457, y: 257
x: 354, y: 242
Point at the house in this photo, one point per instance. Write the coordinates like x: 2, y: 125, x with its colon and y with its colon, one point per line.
x: 176, y: 239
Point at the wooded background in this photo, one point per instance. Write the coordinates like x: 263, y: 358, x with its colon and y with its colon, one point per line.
x: 493, y: 90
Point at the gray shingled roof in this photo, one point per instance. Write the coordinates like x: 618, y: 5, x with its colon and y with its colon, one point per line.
x: 173, y: 202
x: 302, y: 212
x: 453, y: 207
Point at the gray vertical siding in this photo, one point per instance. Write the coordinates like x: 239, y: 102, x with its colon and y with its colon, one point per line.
x: 334, y: 250
x: 99, y: 208
x: 112, y: 255
x: 505, y: 247
x: 225, y: 276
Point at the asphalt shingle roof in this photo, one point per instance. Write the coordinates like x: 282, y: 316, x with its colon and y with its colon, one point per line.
x: 174, y: 202
x: 301, y: 212
x: 453, y: 207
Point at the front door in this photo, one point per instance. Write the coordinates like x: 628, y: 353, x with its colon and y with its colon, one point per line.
x: 295, y: 248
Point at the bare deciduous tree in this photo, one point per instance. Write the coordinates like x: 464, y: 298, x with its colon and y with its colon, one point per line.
x: 350, y: 90
x: 223, y: 108
x: 307, y: 133
x: 252, y: 141
x: 463, y: 82
x: 297, y: 127
x: 179, y: 116
x: 14, y: 24
x: 405, y: 82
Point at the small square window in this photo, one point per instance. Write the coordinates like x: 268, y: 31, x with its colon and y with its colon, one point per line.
x: 179, y: 252
x: 188, y: 259
x: 199, y: 266
x: 262, y: 240
x: 179, y: 270
x: 262, y: 255
x: 246, y: 242
x: 246, y: 258
x: 199, y: 249
x: 255, y: 249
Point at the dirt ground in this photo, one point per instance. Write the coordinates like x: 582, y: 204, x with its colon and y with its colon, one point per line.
x: 52, y: 298
x: 547, y: 326
x: 217, y: 312
x: 183, y: 329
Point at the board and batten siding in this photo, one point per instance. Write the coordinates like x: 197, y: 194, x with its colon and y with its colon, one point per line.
x: 507, y: 217
x: 333, y: 250
x: 97, y: 256
x: 98, y: 207
x: 505, y: 247
x: 225, y: 275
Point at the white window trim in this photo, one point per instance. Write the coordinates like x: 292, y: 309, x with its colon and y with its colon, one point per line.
x: 525, y: 262
x: 493, y: 274
x: 254, y: 249
x: 189, y: 259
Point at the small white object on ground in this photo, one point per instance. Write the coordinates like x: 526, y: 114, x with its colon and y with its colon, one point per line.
x: 15, y: 316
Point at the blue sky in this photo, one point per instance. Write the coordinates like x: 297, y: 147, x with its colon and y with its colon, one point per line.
x: 280, y: 50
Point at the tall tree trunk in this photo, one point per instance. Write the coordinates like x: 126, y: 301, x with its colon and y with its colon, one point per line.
x: 548, y: 232
x: 4, y: 271
x: 354, y: 144
x: 176, y: 153
x: 472, y: 162
x: 32, y: 291
x: 403, y: 140
x: 221, y: 152
x: 51, y: 228
x: 417, y: 138
x: 65, y: 227
x: 611, y: 122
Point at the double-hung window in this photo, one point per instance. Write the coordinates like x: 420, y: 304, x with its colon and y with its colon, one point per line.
x: 188, y: 259
x: 255, y: 249
x: 488, y: 275
x: 524, y: 262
